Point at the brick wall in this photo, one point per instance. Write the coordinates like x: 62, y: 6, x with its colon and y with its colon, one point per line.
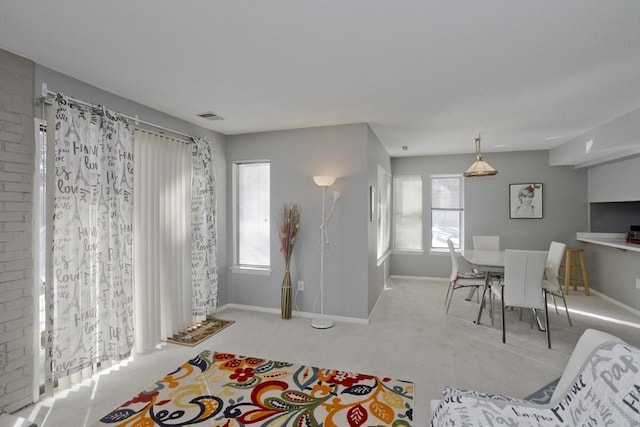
x: 17, y: 146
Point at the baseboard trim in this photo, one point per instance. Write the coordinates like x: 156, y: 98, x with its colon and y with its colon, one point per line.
x: 345, y: 319
x: 402, y: 277
x: 579, y: 289
x: 304, y: 314
x: 375, y: 306
x: 614, y: 301
x: 9, y: 420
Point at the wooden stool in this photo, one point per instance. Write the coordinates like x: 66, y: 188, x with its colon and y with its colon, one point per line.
x: 574, y: 264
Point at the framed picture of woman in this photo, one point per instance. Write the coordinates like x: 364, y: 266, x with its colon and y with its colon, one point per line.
x: 525, y: 200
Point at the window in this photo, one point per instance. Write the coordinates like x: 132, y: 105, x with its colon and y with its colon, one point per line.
x: 252, y: 221
x: 384, y: 213
x: 447, y: 211
x: 40, y: 260
x: 407, y: 213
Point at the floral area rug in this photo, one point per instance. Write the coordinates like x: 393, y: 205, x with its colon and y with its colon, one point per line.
x: 222, y: 389
x: 194, y: 336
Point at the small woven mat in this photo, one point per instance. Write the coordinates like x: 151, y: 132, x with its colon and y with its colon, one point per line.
x: 209, y: 327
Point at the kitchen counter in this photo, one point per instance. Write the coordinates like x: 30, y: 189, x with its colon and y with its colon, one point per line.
x: 613, y: 240
x: 613, y: 267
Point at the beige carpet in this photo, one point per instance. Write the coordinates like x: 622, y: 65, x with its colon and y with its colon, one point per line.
x: 409, y: 337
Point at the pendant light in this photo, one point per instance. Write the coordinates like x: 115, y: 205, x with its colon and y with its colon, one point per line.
x: 479, y: 167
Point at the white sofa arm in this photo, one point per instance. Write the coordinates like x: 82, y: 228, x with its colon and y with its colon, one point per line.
x: 589, y: 340
x: 603, y: 392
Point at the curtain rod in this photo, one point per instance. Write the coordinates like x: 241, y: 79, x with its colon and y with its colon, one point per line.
x: 46, y: 93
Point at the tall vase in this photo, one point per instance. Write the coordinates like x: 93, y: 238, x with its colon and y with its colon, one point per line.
x: 285, y: 296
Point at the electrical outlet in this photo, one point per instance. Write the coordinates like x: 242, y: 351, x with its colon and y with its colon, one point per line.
x: 301, y: 285
x: 637, y: 283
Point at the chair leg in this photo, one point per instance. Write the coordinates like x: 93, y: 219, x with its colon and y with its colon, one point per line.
x: 450, y: 298
x: 446, y: 298
x: 491, y: 298
x: 554, y: 302
x: 470, y: 294
x: 566, y: 309
x: 504, y: 332
x: 546, y: 320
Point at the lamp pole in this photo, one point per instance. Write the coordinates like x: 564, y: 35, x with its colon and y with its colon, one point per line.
x: 321, y: 322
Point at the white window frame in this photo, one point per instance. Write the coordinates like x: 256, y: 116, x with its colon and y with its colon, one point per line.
x: 460, y: 210
x: 237, y: 267
x: 397, y: 179
x: 384, y: 217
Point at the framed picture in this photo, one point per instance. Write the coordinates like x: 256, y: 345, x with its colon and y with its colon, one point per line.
x: 525, y: 200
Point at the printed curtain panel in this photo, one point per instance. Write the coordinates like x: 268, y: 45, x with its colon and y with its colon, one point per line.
x: 204, y: 256
x: 90, y: 319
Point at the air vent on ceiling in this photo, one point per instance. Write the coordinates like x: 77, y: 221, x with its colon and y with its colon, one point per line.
x: 210, y: 115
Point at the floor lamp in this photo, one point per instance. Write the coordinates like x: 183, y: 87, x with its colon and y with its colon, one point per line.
x: 324, y: 182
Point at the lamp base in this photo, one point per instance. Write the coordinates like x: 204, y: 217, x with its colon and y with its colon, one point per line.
x: 322, y: 323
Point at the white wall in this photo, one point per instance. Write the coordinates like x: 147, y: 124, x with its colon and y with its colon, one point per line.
x: 296, y: 156
x: 378, y: 274
x: 615, y: 182
x: 487, y: 204
x: 613, y: 271
x: 614, y: 140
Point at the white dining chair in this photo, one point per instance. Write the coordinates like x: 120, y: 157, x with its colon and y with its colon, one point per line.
x: 460, y: 279
x: 551, y: 283
x: 522, y: 285
x: 485, y: 243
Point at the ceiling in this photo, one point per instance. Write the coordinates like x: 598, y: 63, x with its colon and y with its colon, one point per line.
x: 428, y: 75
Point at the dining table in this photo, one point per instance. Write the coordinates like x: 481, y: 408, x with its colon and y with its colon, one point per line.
x: 488, y: 261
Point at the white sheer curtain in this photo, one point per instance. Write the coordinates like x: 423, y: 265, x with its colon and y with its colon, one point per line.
x: 162, y: 238
x: 90, y: 319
